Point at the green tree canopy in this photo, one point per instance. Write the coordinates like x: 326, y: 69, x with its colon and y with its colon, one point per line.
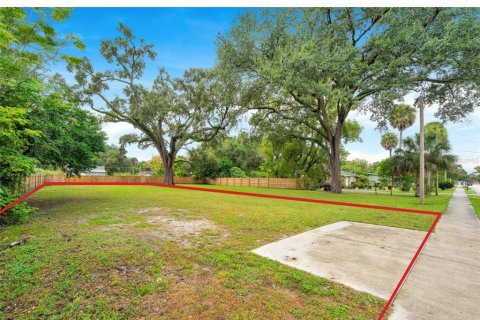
x: 27, y: 46
x: 357, y: 166
x: 170, y: 115
x: 115, y: 160
x: 313, y: 66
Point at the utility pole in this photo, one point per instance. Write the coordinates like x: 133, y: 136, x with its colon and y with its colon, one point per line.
x: 422, y: 152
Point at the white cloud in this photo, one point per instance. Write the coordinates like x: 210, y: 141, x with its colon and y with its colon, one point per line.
x: 369, y: 156
x: 115, y: 130
x: 363, y: 119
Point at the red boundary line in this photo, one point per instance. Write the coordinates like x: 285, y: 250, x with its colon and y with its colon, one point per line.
x: 270, y: 196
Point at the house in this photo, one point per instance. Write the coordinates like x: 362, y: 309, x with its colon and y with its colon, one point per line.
x: 372, y: 179
x: 97, y: 171
x: 147, y: 173
x: 347, y: 178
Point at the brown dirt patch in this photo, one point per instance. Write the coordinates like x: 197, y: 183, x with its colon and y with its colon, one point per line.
x: 166, y: 224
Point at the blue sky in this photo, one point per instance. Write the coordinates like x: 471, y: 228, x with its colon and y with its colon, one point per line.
x: 185, y: 37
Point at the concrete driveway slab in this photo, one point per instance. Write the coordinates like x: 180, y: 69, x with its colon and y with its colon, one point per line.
x: 366, y: 257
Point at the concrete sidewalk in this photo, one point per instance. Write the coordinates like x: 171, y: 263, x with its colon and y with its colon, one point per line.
x: 445, y: 281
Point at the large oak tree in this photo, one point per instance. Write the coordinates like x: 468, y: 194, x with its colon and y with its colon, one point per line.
x: 313, y: 66
x: 172, y: 113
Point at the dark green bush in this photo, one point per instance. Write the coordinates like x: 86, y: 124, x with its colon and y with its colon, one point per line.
x: 16, y: 215
x: 445, y: 185
x: 358, y: 184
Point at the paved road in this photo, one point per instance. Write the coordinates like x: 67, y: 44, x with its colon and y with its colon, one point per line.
x: 445, y: 281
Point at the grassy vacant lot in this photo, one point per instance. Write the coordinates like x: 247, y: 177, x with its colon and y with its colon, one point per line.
x: 155, y: 253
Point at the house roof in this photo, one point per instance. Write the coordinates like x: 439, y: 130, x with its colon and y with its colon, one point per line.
x: 348, y: 174
x: 99, y: 169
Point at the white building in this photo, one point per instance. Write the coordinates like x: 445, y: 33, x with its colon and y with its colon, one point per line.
x: 97, y: 171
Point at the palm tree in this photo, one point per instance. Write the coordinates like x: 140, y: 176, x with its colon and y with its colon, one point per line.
x: 437, y: 156
x: 389, y: 142
x: 402, y: 117
x: 435, y: 133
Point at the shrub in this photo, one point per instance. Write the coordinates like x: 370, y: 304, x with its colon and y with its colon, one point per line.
x: 358, y: 184
x: 406, y: 183
x: 16, y: 215
x: 225, y: 167
x: 445, y: 185
x: 258, y: 174
x: 236, y: 172
x: 405, y: 186
x: 327, y: 187
x: 363, y: 179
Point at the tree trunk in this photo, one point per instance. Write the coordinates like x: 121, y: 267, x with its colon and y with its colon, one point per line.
x: 167, y: 162
x: 400, y: 141
x: 335, y: 165
x: 417, y: 189
x: 436, y: 185
x: 391, y: 189
x: 421, y: 177
x: 429, y: 182
x: 168, y: 178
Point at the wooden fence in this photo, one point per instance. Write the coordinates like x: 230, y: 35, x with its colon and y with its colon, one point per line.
x: 279, y: 183
x: 33, y: 181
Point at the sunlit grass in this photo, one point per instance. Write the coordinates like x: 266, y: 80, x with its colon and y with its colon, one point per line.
x: 94, y: 252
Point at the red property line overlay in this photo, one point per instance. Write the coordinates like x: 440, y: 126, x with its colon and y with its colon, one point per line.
x: 270, y: 196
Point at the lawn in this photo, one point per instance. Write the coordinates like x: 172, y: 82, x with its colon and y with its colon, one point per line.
x: 399, y: 199
x: 475, y: 201
x: 147, y: 252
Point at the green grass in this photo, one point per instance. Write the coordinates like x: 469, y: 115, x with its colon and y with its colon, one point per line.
x: 114, y: 253
x: 475, y: 201
x: 400, y: 199
x: 470, y: 191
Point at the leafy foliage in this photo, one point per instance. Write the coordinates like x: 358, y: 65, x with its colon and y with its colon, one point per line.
x: 389, y: 141
x: 173, y: 114
x: 38, y: 123
x: 16, y: 215
x: 402, y: 116
x: 13, y: 135
x: 69, y: 138
x: 357, y: 166
x: 204, y: 163
x: 115, y: 160
x: 312, y: 67
x: 437, y: 154
x: 358, y: 185
x: 444, y: 185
